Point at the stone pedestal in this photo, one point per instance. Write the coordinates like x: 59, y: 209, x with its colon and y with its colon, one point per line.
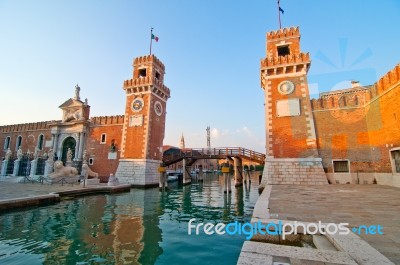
x: 4, y: 166
x: 16, y: 167
x: 48, y: 168
x: 113, y: 181
x: 302, y: 171
x: 33, y: 167
x: 89, y: 182
x: 138, y: 172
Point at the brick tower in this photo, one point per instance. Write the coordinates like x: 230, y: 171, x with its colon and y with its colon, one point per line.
x: 144, y: 123
x: 292, y: 155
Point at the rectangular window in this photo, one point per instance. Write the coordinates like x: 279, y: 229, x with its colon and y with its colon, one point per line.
x: 103, y: 138
x: 341, y: 166
x: 91, y: 161
x: 283, y: 50
x: 142, y: 72
x: 157, y: 75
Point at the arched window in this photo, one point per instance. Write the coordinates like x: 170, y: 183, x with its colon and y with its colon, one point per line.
x: 19, y: 142
x: 40, y: 142
x: 7, y: 143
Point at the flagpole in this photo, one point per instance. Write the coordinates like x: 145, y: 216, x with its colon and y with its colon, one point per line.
x: 151, y: 38
x: 279, y: 16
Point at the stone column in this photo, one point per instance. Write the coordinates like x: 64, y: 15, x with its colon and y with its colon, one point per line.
x: 82, y: 141
x: 55, y: 143
x: 33, y: 167
x: 16, y: 167
x: 237, y: 162
x: 200, y: 178
x: 4, y: 165
x: 186, y: 179
x: 77, y: 146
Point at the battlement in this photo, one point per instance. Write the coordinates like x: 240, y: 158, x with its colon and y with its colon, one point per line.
x: 148, y: 59
x: 136, y: 85
x: 107, y: 120
x: 357, y: 96
x: 283, y: 33
x: 287, y: 59
x: 389, y: 79
x: 44, y: 125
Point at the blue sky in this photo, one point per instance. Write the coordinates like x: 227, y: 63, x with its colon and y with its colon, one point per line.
x: 211, y: 50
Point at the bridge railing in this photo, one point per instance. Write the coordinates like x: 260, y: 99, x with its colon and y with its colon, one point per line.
x: 219, y: 152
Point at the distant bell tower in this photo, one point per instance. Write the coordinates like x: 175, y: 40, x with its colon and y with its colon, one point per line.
x: 290, y: 131
x: 182, y: 143
x: 144, y: 123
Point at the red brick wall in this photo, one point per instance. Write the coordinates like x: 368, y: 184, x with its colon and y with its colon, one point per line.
x: 30, y: 133
x: 365, y: 134
x: 112, y: 127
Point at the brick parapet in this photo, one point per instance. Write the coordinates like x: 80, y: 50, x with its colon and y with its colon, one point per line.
x: 23, y: 127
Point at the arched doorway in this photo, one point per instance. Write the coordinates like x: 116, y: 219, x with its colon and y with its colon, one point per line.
x: 69, y: 142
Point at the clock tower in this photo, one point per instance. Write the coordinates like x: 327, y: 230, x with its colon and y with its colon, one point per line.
x: 144, y: 122
x: 292, y: 155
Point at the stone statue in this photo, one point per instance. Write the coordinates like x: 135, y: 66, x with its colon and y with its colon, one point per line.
x: 19, y: 153
x: 87, y: 172
x: 63, y: 172
x: 8, y: 154
x: 69, y: 155
x: 77, y: 90
x: 50, y: 155
x: 86, y: 101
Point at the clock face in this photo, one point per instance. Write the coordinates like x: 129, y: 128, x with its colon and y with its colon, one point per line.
x: 286, y: 87
x: 137, y: 104
x: 158, y: 108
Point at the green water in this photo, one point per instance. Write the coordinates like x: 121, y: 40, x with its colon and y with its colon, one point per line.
x: 139, y: 227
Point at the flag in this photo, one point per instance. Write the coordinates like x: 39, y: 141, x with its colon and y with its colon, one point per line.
x: 154, y: 37
x: 281, y: 10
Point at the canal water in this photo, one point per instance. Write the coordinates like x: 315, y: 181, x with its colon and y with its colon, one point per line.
x: 143, y: 226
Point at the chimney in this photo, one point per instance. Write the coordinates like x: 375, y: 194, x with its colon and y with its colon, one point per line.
x: 355, y: 84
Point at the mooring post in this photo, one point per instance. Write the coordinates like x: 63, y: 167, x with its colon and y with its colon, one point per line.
x: 227, y: 179
x: 163, y: 178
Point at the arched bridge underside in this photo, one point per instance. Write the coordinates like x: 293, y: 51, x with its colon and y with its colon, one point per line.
x: 191, y: 155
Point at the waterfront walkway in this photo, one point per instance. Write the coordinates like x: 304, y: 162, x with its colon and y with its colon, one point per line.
x: 354, y: 204
x: 16, y: 195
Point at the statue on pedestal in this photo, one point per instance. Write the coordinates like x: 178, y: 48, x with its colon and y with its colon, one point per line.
x: 69, y: 155
x: 77, y: 90
x: 19, y: 153
x: 50, y: 155
x: 8, y: 154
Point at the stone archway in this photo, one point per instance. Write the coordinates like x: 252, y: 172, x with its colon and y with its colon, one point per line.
x: 69, y: 142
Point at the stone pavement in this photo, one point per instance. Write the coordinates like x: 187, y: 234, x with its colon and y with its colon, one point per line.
x: 353, y: 204
x: 9, y: 190
x: 16, y: 195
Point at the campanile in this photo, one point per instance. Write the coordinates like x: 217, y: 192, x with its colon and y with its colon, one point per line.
x: 144, y: 122
x: 292, y: 155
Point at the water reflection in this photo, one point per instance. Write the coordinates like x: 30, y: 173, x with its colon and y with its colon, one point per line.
x: 139, y: 227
